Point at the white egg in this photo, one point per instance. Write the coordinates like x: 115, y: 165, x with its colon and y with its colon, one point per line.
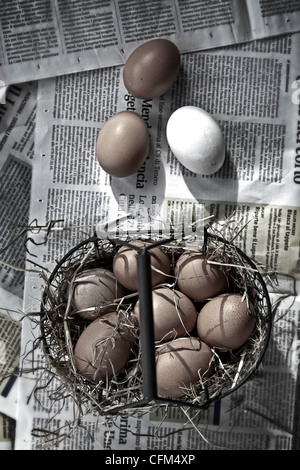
x: 196, y: 140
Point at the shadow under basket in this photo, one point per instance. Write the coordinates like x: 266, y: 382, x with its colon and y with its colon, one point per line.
x: 135, y: 386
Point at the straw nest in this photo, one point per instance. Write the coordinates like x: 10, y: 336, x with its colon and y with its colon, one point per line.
x: 61, y: 327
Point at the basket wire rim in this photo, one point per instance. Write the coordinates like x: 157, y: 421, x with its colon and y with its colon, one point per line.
x: 155, y: 399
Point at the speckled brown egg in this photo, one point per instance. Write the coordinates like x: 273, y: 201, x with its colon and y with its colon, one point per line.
x: 103, y: 348
x: 95, y: 292
x: 174, y: 314
x: 125, y: 265
x: 152, y: 68
x: 198, y: 279
x: 180, y: 364
x: 123, y: 144
x: 226, y: 322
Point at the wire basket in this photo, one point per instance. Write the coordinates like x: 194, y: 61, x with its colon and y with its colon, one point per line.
x: 135, y: 385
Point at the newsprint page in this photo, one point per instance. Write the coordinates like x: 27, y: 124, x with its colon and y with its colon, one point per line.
x: 61, y: 78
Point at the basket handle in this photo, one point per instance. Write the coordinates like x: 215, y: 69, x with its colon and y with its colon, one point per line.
x: 146, y: 325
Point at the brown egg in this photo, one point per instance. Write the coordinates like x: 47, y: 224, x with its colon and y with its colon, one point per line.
x: 226, y: 322
x: 151, y: 69
x: 123, y: 144
x: 180, y: 364
x: 198, y: 279
x: 95, y: 291
x: 103, y: 348
x: 174, y: 314
x: 125, y: 265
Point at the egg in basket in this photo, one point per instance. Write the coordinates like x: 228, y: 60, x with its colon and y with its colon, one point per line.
x: 130, y: 323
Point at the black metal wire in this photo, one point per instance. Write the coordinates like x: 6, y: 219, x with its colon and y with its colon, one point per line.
x: 148, y: 353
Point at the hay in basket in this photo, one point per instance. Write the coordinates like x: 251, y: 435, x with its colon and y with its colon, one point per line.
x: 61, y: 327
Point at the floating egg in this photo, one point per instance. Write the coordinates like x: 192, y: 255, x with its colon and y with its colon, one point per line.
x: 196, y: 140
x: 151, y: 68
x: 123, y: 144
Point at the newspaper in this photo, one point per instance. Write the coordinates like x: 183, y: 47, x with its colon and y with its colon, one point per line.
x: 6, y: 432
x: 17, y: 122
x: 41, y: 38
x: 255, y: 98
x: 257, y: 107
